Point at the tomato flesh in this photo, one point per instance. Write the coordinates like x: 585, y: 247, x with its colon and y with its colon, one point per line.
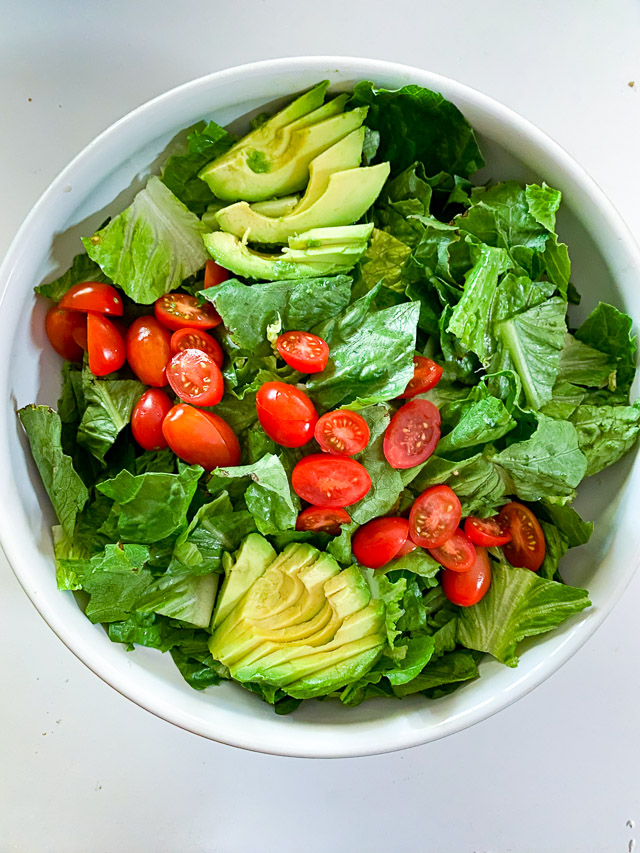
x: 323, y: 519
x: 147, y: 417
x: 61, y: 327
x: 412, y: 435
x: 148, y: 350
x: 195, y: 378
x: 200, y: 438
x: 457, y: 554
x: 527, y: 546
x: 303, y: 351
x: 93, y: 296
x: 379, y: 541
x: 426, y: 375
x: 325, y: 479
x: 486, y: 532
x: 105, y: 345
x: 214, y: 274
x: 181, y: 311
x: 286, y: 414
x: 195, y: 339
x: 343, y: 432
x: 434, y: 517
x: 467, y: 588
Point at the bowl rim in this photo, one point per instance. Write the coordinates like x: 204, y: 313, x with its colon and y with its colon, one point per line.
x: 363, y: 738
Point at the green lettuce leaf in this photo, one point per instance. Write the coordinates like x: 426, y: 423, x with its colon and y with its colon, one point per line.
x: 109, y: 403
x: 556, y: 547
x: 116, y: 579
x: 482, y: 422
x: 605, y: 433
x: 182, y: 596
x: 82, y: 269
x: 609, y: 330
x: 566, y: 519
x: 385, y: 260
x: 70, y: 558
x: 453, y: 668
x: 583, y: 365
x: 386, y: 482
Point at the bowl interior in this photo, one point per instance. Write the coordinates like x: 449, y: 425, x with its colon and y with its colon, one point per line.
x: 100, y: 182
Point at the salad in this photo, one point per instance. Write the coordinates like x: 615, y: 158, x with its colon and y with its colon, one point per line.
x: 324, y: 411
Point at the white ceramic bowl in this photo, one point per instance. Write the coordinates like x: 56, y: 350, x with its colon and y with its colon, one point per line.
x: 102, y: 179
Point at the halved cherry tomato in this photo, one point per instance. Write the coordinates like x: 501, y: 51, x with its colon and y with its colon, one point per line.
x: 200, y: 438
x: 195, y: 378
x: 378, y: 541
x: 60, y: 326
x: 407, y: 548
x: 324, y: 479
x: 80, y: 334
x: 467, y: 588
x: 214, y: 274
x: 458, y: 553
x: 287, y: 415
x: 323, y: 518
x: 105, y: 345
x: 303, y: 351
x: 147, y: 417
x: 527, y: 547
x: 412, y: 435
x: 343, y: 432
x: 426, y: 375
x: 434, y: 517
x: 149, y: 350
x: 181, y: 311
x: 195, y: 339
x: 93, y: 296
x: 487, y: 532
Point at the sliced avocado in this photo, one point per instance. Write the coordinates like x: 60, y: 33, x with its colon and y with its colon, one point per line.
x: 345, y: 154
x: 347, y: 197
x: 252, y: 559
x: 231, y: 253
x: 340, y: 235
x: 273, y: 207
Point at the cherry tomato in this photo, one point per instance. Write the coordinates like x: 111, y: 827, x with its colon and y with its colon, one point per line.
x: 303, y: 351
x: 200, y: 438
x: 105, y: 345
x: 407, y: 548
x: 148, y: 350
x: 323, y: 518
x: 195, y: 378
x: 426, y: 375
x: 93, y: 296
x: 378, y: 541
x: 343, y: 432
x: 527, y: 546
x: 412, y: 435
x: 487, y: 532
x: 434, y: 517
x: 181, y: 311
x: 61, y: 326
x: 80, y: 334
x: 287, y: 415
x: 457, y: 554
x: 147, y: 417
x: 467, y: 588
x: 214, y: 274
x: 194, y: 339
x: 324, y: 479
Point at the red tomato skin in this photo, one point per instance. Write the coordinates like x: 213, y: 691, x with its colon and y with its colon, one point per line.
x: 303, y: 351
x: 195, y: 378
x: 421, y: 418
x: 105, y: 345
x: 61, y: 327
x: 528, y: 546
x: 147, y: 417
x: 342, y: 432
x: 407, y: 548
x: 195, y: 339
x: 467, y: 588
x: 149, y: 350
x: 325, y: 479
x: 457, y: 554
x: 200, y: 438
x: 286, y: 414
x: 181, y: 311
x: 440, y: 501
x: 323, y: 518
x: 426, y: 376
x: 486, y: 532
x: 379, y: 541
x: 214, y: 274
x: 93, y: 296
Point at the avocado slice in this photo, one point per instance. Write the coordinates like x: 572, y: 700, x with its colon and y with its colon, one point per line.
x: 252, y: 559
x: 274, y: 206
x: 347, y: 197
x: 340, y: 235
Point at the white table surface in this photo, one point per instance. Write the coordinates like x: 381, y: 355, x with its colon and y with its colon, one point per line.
x: 82, y: 768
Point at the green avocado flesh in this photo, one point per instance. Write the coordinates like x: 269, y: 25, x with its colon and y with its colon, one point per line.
x: 301, y: 624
